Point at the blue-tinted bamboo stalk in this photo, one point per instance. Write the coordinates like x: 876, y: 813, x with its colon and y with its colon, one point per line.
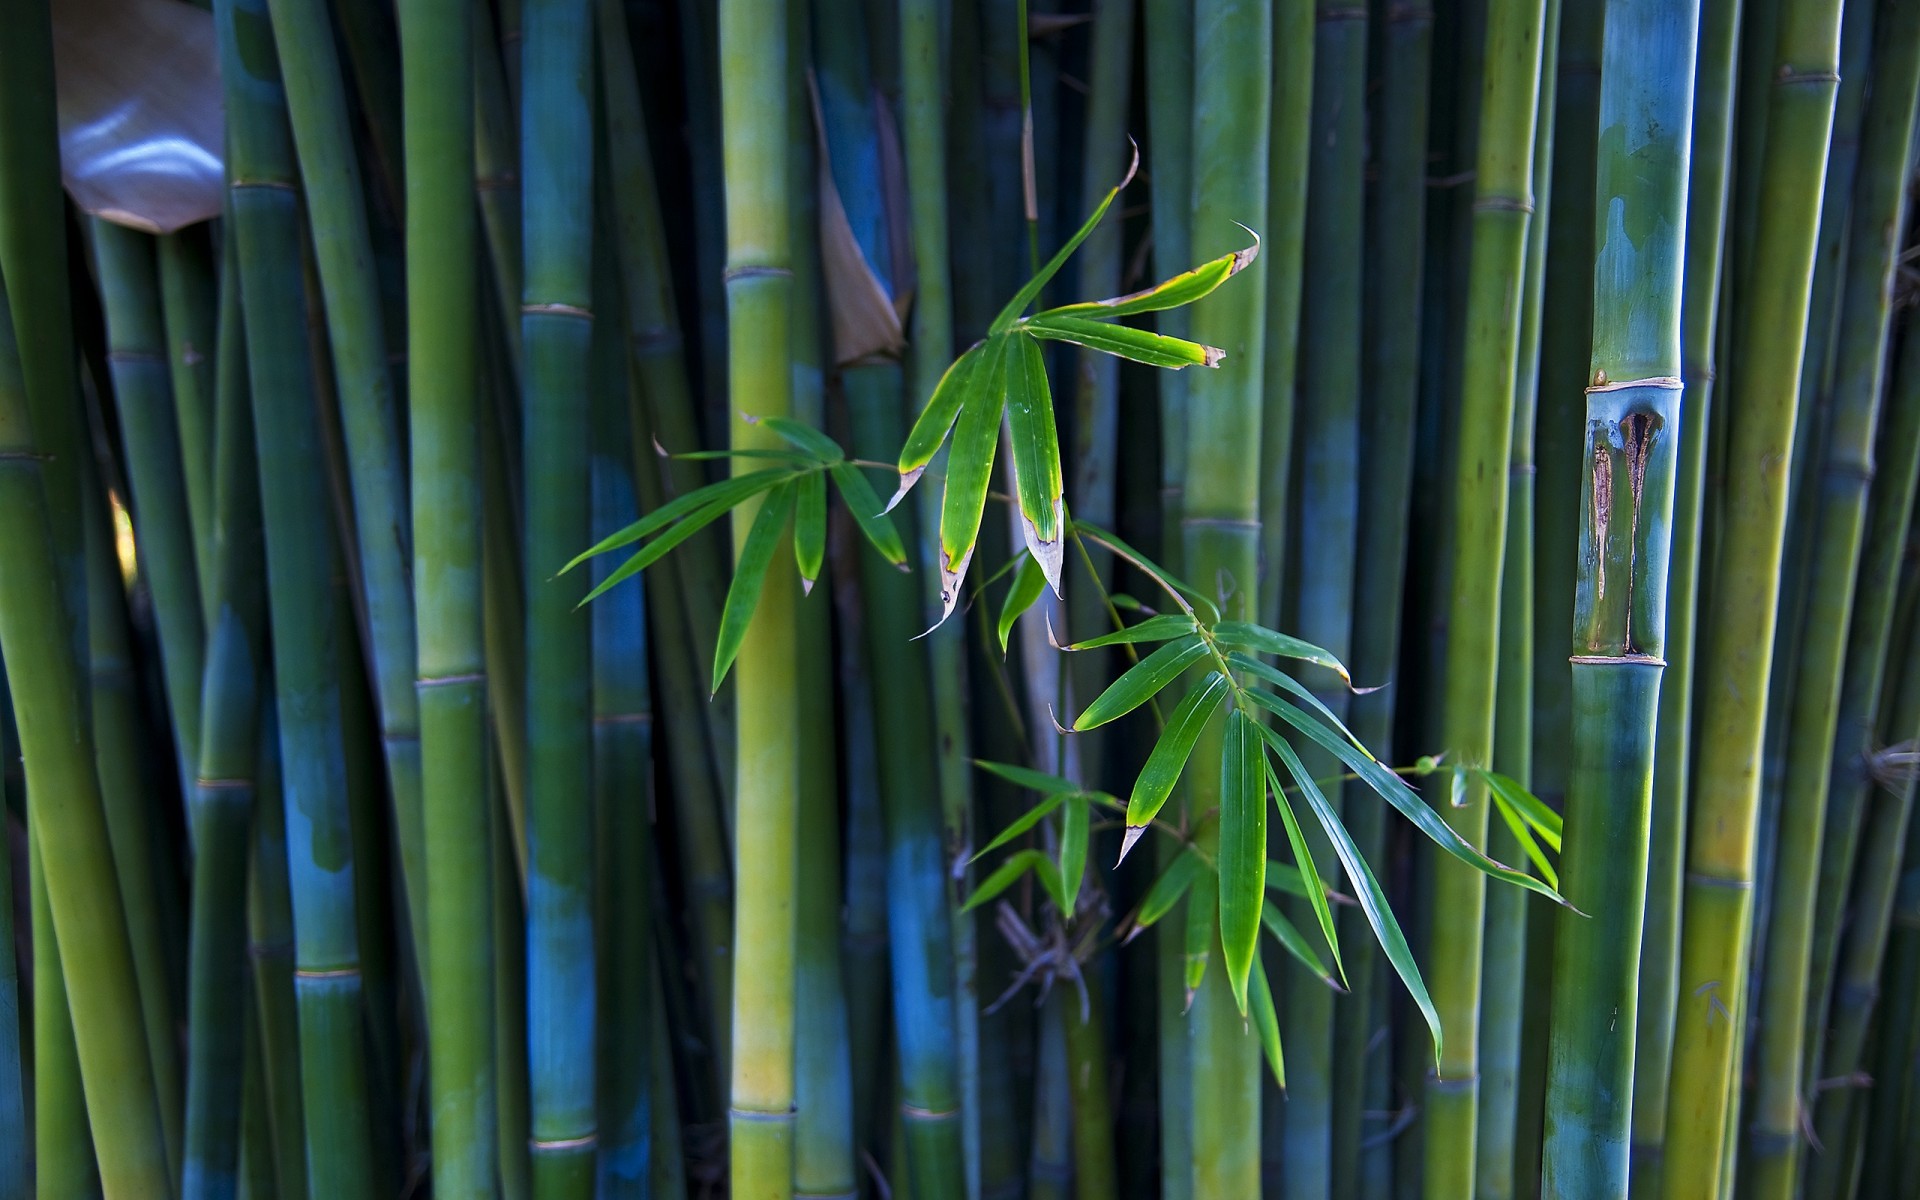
x: 1837, y: 499
x: 437, y: 80
x: 270, y: 945
x: 300, y: 562
x: 189, y: 286
x: 1717, y: 898
x: 1707, y: 192
x: 222, y: 803
x: 1620, y: 602
x: 511, y: 1090
x: 1050, y: 1158
x: 255, y: 1148
x: 343, y: 252
x: 1502, y: 205
x: 1220, y: 523
x: 754, y: 48
x: 64, y: 1162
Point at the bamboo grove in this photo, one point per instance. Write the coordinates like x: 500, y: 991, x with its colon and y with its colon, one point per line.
x: 959, y: 599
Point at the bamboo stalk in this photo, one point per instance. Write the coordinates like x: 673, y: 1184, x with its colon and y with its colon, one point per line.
x: 270, y: 945
x: 64, y: 1163
x: 16, y: 1129
x: 1734, y: 675
x: 189, y: 291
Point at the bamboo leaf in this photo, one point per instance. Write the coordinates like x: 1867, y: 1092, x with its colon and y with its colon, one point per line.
x: 1202, y: 904
x: 1074, y: 826
x: 1294, y: 687
x: 803, y: 437
x: 859, y: 497
x: 936, y: 419
x: 749, y: 574
x: 1124, y: 341
x: 1007, y: 873
x: 1527, y: 806
x: 1153, y: 629
x: 1026, y: 777
x: 810, y: 527
x: 657, y: 549
x: 969, y: 469
x: 719, y: 496
x: 1267, y: 1024
x: 1027, y: 585
x: 1142, y: 682
x: 1295, y: 943
x: 1020, y: 824
x: 1310, y: 881
x: 1525, y: 837
x: 1169, y: 756
x: 1248, y: 636
x: 1396, y: 792
x: 1036, y: 456
x: 1242, y: 856
x: 1366, y: 888
x: 1181, y: 290
x: 1167, y: 889
x: 1026, y: 294
x: 791, y: 456
x: 1179, y: 588
x: 1287, y: 878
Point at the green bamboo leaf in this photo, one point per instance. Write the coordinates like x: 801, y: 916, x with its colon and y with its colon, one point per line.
x: 803, y: 437
x: 969, y: 470
x: 1267, y: 1024
x: 1261, y: 640
x: 1007, y: 873
x: 1202, y: 903
x: 1286, y: 877
x: 859, y: 497
x: 1527, y: 806
x: 657, y: 549
x: 749, y: 574
x: 1373, y: 901
x: 943, y: 408
x: 1020, y: 824
x: 1142, y: 682
x: 1153, y: 629
x: 1169, y: 756
x: 791, y: 456
x: 810, y: 527
x: 1027, y: 777
x: 1396, y: 792
x: 1524, y: 836
x: 1181, y: 290
x: 1074, y: 826
x: 1124, y: 341
x: 1166, y: 890
x: 1026, y: 294
x: 1310, y: 881
x: 1242, y: 856
x: 1294, y: 687
x: 1027, y: 585
x: 1036, y: 456
x: 1295, y: 943
x: 722, y: 496
x: 1179, y: 588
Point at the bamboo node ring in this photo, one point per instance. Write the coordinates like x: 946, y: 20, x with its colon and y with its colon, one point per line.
x: 549, y: 1145
x: 1667, y: 383
x: 326, y: 972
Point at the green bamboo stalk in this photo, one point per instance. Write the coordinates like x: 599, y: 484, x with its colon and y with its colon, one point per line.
x: 15, y: 1124
x: 300, y: 560
x: 1220, y: 523
x: 188, y: 291
x: 436, y: 64
x: 1838, y: 519
x: 754, y: 95
x: 1633, y: 427
x: 222, y: 804
x: 511, y: 1088
x: 255, y: 1148
x: 64, y: 794
x: 504, y: 604
x: 1707, y: 192
x: 343, y: 251
x: 496, y: 179
x: 370, y: 37
x: 1094, y: 1167
x: 64, y: 1163
x: 1502, y: 205
x: 668, y: 1171
x: 270, y: 944
x: 1734, y: 677
x: 1050, y: 1165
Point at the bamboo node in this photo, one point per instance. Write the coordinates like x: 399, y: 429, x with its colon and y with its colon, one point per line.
x: 557, y: 310
x: 1517, y: 204
x: 326, y: 972
x: 434, y: 681
x: 1666, y: 383
x: 1625, y: 660
x: 915, y: 1113
x: 556, y: 1145
x: 759, y: 1114
x: 754, y: 272
x: 1787, y: 75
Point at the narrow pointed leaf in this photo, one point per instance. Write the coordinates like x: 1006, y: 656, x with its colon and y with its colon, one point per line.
x: 1027, y: 777
x: 1266, y: 1023
x: 791, y: 456
x: 1295, y: 943
x: 1026, y: 294
x: 1373, y: 901
x: 749, y: 574
x: 1036, y: 455
x: 1009, y: 872
x: 969, y: 470
x: 810, y: 526
x: 1124, y: 341
x: 1525, y: 837
x: 1527, y: 806
x: 723, y: 495
x: 1310, y: 880
x: 1261, y: 640
x: 1280, y: 679
x: 1074, y: 826
x: 1153, y: 629
x: 1169, y: 756
x: 1028, y: 582
x: 1167, y: 890
x: 804, y: 437
x: 1183, y: 592
x: 859, y: 497
x: 1287, y: 878
x: 1142, y: 682
x: 657, y: 549
x: 1242, y: 859
x: 1397, y: 793
x: 943, y: 408
x: 1020, y: 824
x: 1182, y: 289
